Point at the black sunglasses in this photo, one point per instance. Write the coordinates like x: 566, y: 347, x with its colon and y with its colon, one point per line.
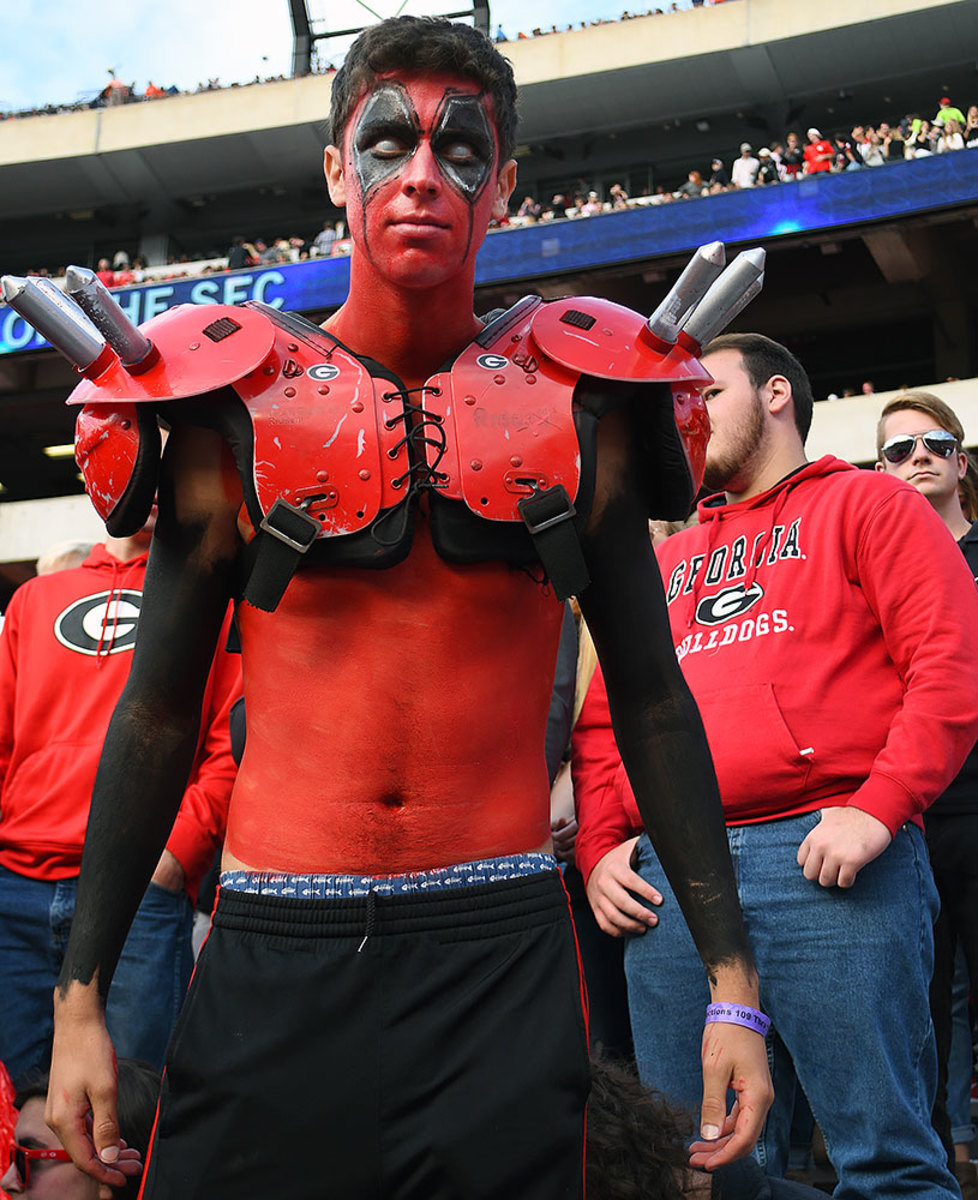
x: 23, y: 1156
x: 937, y: 441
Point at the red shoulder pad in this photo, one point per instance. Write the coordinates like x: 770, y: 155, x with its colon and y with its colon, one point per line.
x: 509, y: 424
x: 117, y: 448
x: 596, y: 337
x: 200, y: 347
x: 319, y: 441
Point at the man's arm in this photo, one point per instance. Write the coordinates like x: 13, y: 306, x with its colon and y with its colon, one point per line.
x: 148, y: 753
x: 665, y: 752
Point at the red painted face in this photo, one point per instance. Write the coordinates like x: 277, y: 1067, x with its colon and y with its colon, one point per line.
x: 420, y: 171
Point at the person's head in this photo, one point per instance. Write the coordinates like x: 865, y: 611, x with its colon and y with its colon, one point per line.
x: 912, y: 443
x: 814, y: 135
x: 58, y: 1178
x: 62, y: 556
x: 760, y: 407
x: 635, y: 1141
x: 423, y: 124
x: 745, y: 150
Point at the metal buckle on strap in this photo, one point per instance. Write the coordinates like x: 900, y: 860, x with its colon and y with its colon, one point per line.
x: 299, y: 522
x: 557, y: 491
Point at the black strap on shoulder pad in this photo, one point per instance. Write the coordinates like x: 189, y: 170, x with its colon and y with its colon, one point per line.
x: 549, y: 517
x: 286, y: 534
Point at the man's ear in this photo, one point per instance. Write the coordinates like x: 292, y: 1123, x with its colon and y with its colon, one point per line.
x: 505, y: 183
x: 778, y: 393
x: 333, y: 170
x: 880, y: 466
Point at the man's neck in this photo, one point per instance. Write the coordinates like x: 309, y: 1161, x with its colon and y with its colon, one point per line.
x: 126, y: 549
x: 769, y: 467
x: 409, y: 330
x: 950, y: 512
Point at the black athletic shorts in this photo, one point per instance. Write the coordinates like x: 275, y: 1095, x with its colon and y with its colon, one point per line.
x: 409, y: 1047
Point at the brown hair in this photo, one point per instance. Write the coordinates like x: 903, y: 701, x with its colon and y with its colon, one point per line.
x: 763, y: 358
x: 434, y: 45
x: 934, y: 407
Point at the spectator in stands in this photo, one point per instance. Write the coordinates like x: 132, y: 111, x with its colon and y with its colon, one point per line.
x: 743, y: 173
x: 948, y: 112
x: 920, y: 439
x: 823, y: 815
x: 322, y: 243
x: 891, y: 141
x: 591, y: 207
x: 105, y: 273
x: 115, y: 91
x: 793, y: 158
x: 950, y: 137
x: 694, y: 186
x: 42, y: 1168
x: 818, y: 154
x: 971, y: 127
x: 65, y: 651
x: 619, y: 197
x: 242, y: 254
x: 719, y: 180
x: 153, y: 92
x: 872, y: 149
x: 529, y: 210
x: 922, y: 139
x: 767, y: 172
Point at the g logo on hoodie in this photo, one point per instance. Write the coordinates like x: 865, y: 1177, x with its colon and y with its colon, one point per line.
x: 731, y: 602
x: 104, y: 623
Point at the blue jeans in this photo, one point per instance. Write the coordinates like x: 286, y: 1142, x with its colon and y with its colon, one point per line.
x: 147, y: 989
x: 844, y: 975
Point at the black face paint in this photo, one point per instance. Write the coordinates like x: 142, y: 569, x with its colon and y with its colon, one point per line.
x: 389, y: 131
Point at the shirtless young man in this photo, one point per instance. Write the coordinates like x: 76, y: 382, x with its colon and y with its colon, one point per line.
x: 381, y: 1021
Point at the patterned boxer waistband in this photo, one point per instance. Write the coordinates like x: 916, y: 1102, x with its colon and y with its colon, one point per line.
x: 345, y: 887
x: 478, y: 899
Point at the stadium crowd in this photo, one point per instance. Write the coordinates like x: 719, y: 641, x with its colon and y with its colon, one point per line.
x: 786, y: 161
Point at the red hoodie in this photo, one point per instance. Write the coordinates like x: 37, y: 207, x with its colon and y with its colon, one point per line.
x: 828, y: 630
x: 65, y: 653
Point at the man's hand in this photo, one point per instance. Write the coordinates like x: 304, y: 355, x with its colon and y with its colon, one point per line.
x: 616, y: 911
x: 81, y: 1104
x: 169, y: 874
x: 841, y: 844
x: 735, y: 1058
x: 564, y: 834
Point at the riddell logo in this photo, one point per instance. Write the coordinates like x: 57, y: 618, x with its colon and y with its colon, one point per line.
x: 107, y: 619
x: 730, y: 603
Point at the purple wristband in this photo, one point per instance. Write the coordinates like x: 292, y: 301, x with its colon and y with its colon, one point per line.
x: 738, y: 1014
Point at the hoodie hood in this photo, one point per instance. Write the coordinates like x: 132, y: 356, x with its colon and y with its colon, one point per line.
x: 713, y: 510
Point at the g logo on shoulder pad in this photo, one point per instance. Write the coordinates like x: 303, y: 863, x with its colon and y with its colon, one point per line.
x: 104, y: 623
x: 323, y: 372
x: 492, y: 362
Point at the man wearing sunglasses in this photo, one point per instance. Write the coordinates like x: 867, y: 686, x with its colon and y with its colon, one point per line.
x: 920, y: 439
x: 826, y: 625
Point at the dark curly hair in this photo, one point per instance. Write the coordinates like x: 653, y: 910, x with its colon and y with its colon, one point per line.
x: 433, y: 45
x: 636, y: 1143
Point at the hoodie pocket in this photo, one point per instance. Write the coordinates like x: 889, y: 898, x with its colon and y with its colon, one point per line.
x: 759, y: 764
